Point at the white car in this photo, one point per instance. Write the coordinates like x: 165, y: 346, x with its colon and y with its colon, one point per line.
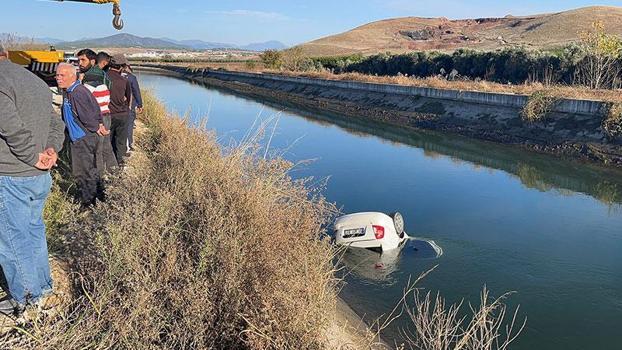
x: 371, y: 230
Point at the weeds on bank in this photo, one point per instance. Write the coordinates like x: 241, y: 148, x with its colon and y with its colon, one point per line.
x: 438, y: 326
x: 539, y: 104
x: 612, y: 122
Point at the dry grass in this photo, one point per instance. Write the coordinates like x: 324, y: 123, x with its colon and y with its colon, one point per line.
x: 441, y: 327
x: 539, y: 104
x: 436, y: 325
x: 196, y: 248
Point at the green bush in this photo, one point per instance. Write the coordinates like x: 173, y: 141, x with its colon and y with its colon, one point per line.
x: 272, y: 59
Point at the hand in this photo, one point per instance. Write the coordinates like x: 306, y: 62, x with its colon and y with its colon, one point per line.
x: 53, y: 156
x: 102, y: 131
x: 44, y: 162
x: 139, y: 110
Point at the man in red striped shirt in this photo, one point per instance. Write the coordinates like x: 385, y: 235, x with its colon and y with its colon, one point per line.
x: 98, y: 83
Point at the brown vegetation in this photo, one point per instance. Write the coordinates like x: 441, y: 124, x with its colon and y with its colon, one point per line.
x: 539, y: 104
x: 194, y: 248
x: 437, y: 326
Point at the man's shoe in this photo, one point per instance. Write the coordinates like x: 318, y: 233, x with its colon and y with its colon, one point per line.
x: 10, y: 307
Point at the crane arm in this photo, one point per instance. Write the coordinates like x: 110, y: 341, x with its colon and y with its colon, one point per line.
x: 117, y: 22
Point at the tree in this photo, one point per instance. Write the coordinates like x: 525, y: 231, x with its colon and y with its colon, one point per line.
x: 272, y: 59
x: 600, y: 68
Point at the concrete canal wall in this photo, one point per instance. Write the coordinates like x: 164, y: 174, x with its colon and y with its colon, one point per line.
x: 586, y: 107
x: 572, y: 128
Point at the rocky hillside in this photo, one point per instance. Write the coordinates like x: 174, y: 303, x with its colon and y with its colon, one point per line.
x: 415, y: 33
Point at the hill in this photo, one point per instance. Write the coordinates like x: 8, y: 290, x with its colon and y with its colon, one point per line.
x: 125, y: 40
x: 416, y: 33
x: 122, y: 40
x: 200, y: 44
x: 268, y: 45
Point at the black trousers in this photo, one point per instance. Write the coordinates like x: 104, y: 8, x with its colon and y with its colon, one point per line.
x: 118, y: 135
x: 84, y: 167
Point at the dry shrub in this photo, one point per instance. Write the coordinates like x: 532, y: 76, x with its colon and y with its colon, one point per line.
x: 539, y: 104
x: 436, y: 325
x: 612, y: 122
x: 441, y: 327
x: 199, y: 248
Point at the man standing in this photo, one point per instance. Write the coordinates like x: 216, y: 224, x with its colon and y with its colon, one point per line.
x: 103, y: 59
x: 83, y: 120
x: 136, y: 104
x: 120, y: 95
x: 96, y: 80
x: 31, y: 134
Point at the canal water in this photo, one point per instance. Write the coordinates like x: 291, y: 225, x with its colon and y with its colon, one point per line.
x: 546, y: 229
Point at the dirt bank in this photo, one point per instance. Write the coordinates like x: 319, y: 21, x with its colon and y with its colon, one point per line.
x: 349, y: 332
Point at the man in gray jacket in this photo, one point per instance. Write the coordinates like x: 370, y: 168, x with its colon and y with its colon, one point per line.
x: 31, y: 134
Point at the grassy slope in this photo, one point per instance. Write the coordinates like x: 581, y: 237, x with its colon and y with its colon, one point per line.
x: 196, y: 247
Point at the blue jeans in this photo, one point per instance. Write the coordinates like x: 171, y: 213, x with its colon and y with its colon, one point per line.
x: 130, y: 128
x: 23, y: 248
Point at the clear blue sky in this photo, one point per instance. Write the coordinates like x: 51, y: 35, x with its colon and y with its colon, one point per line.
x: 246, y: 21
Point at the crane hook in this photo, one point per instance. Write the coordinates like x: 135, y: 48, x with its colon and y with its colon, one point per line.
x: 117, y: 22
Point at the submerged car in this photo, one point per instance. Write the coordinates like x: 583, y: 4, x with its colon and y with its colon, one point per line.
x: 371, y: 230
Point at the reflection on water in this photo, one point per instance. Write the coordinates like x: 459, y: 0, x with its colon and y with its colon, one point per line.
x: 379, y: 267
x: 537, y: 171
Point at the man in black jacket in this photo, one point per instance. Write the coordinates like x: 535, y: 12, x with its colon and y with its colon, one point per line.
x: 31, y: 134
x: 120, y: 96
x: 84, y: 123
x: 136, y: 105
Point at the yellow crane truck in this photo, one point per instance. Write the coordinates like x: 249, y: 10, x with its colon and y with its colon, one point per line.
x: 42, y: 63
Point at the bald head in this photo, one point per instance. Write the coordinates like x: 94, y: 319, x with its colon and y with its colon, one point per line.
x: 65, y: 75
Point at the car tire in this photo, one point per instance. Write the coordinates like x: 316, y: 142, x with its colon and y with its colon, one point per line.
x: 398, y: 222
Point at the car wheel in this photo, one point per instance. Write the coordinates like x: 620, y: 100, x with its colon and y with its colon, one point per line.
x: 398, y: 222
